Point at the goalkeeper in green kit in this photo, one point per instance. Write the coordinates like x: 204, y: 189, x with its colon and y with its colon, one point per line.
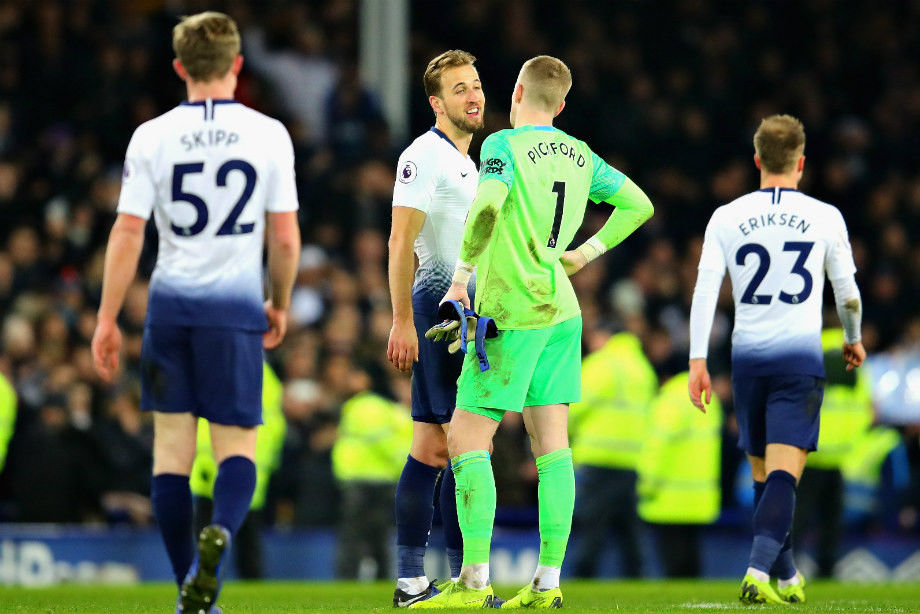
x: 534, y: 183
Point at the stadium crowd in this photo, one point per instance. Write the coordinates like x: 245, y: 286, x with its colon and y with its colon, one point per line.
x: 669, y: 92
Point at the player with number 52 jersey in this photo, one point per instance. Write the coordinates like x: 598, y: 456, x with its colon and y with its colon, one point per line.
x: 208, y: 171
x: 218, y: 178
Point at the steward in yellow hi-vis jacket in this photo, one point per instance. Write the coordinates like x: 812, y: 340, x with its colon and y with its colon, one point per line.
x: 7, y: 416
x: 607, y: 429
x: 679, y: 475
x: 374, y: 438
x: 269, y: 441
x: 846, y: 419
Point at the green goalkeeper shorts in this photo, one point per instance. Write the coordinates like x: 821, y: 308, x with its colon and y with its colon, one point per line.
x: 539, y: 366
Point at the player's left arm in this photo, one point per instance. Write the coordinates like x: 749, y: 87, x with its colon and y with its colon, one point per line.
x: 495, y: 177
x: 840, y: 268
x: 633, y: 208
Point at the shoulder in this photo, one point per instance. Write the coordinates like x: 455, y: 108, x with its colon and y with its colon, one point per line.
x: 497, y: 139
x: 827, y: 211
x: 424, y: 147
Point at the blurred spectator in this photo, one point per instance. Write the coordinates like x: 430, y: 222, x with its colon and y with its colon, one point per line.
x: 374, y: 438
x: 607, y: 430
x: 846, y: 415
x: 679, y: 485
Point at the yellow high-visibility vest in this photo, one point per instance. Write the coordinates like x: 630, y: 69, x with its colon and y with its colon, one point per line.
x: 618, y: 384
x: 373, y: 440
x: 7, y: 416
x: 680, y: 466
x: 846, y: 413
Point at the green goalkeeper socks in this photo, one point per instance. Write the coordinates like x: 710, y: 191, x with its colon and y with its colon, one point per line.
x: 556, y: 497
x: 476, y: 504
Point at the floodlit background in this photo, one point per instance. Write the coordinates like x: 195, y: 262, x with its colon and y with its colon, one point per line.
x: 669, y: 92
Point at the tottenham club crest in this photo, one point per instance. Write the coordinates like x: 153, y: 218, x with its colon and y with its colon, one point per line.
x: 408, y: 172
x: 493, y: 166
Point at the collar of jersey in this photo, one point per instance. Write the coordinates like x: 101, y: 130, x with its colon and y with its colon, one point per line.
x: 197, y: 103
x: 444, y: 136
x: 781, y: 190
x: 532, y: 127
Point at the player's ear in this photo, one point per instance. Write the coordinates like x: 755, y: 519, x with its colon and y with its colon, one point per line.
x: 518, y: 94
x: 237, y: 65
x: 757, y: 161
x: 180, y: 69
x: 436, y: 105
x: 800, y: 166
x: 559, y: 110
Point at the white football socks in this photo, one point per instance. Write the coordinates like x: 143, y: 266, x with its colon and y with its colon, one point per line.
x: 545, y: 578
x: 796, y: 579
x: 475, y: 576
x: 413, y: 586
x: 758, y: 575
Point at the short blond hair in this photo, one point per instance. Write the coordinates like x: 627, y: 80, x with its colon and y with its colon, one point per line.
x: 206, y: 44
x: 448, y: 59
x: 546, y: 81
x: 779, y: 143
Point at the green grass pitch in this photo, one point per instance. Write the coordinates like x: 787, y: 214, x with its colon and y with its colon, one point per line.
x: 620, y: 597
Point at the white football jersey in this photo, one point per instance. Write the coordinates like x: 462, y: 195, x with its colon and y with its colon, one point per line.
x: 777, y: 244
x: 434, y: 177
x: 208, y: 172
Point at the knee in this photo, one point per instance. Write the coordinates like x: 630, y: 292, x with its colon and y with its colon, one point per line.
x: 433, y: 453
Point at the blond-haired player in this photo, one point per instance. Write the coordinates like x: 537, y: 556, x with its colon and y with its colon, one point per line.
x: 435, y: 186
x: 777, y: 244
x: 215, y: 175
x: 534, y: 184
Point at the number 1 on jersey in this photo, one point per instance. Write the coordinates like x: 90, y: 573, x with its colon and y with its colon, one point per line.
x: 559, y: 190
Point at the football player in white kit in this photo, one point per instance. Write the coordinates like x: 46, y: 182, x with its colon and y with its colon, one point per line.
x: 214, y: 174
x: 777, y: 244
x: 435, y: 185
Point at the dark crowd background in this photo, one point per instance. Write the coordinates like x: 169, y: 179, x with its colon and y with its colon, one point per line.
x: 669, y: 92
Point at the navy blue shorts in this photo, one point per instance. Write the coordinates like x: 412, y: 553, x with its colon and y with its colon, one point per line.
x: 434, y: 376
x: 214, y: 373
x: 778, y: 409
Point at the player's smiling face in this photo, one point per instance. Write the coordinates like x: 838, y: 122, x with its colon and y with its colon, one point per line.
x: 463, y: 98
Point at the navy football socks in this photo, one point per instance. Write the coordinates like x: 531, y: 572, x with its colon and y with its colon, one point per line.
x: 171, y: 500
x: 414, y: 509
x: 453, y: 537
x: 784, y: 567
x: 772, y: 519
x: 233, y: 488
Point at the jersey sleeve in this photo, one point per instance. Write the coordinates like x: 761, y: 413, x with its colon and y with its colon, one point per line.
x: 138, y: 188
x: 712, y: 257
x: 496, y: 161
x: 838, y: 260
x: 606, y: 180
x: 282, y: 192
x: 417, y: 178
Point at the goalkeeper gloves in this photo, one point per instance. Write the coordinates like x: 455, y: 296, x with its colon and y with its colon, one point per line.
x: 457, y: 322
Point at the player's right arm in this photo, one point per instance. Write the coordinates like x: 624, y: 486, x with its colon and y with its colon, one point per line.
x: 633, y: 208
x: 496, y: 176
x: 702, y: 311
x: 402, y: 347
x: 135, y: 204
x: 417, y: 176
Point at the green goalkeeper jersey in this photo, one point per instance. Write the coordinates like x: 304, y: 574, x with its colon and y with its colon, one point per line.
x: 520, y: 281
